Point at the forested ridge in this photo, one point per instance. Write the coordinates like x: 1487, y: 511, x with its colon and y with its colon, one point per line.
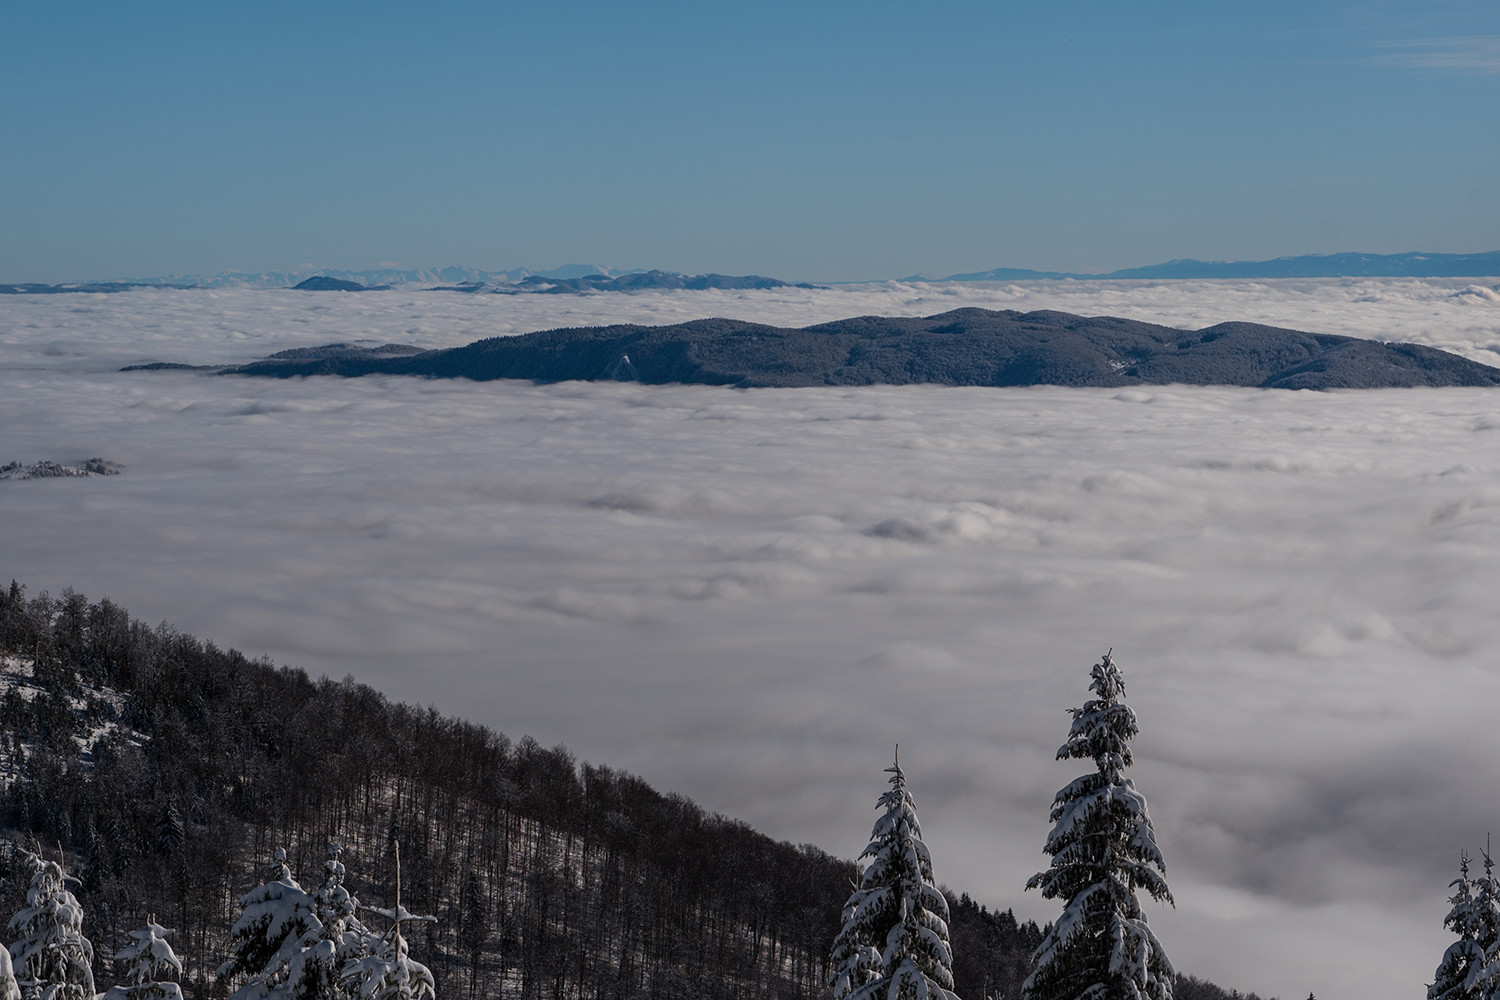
x: 166, y: 771
x: 969, y: 347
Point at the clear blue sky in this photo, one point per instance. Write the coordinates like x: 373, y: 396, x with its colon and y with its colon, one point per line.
x: 803, y: 140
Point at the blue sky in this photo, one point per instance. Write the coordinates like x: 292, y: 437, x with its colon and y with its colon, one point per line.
x: 829, y: 141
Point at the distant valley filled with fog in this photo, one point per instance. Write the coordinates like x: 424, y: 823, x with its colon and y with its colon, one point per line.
x: 748, y: 595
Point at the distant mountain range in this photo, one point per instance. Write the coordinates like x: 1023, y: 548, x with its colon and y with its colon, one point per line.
x: 1333, y: 265
x: 597, y: 277
x: 635, y: 281
x: 386, y: 276
x: 288, y: 279
x: 538, y: 285
x: 975, y: 347
x: 568, y: 279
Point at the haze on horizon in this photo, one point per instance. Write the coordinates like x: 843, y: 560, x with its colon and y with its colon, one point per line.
x: 838, y: 142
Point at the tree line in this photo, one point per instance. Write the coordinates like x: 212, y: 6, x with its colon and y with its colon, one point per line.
x: 174, y: 780
x: 166, y: 771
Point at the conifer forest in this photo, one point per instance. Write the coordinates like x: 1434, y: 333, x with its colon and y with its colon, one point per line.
x: 181, y: 820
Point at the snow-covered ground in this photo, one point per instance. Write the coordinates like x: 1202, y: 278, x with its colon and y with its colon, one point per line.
x: 749, y: 597
x: 19, y: 674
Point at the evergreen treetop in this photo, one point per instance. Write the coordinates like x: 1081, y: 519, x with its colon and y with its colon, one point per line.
x: 1482, y: 915
x: 53, y: 958
x: 387, y: 971
x: 1103, y: 851
x: 268, y: 935
x: 894, y: 941
x: 150, y: 961
x: 1458, y: 975
x: 9, y: 988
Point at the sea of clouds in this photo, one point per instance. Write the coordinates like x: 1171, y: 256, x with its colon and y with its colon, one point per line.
x: 750, y: 596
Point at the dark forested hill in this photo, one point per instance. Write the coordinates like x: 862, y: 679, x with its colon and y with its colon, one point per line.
x: 166, y: 770
x: 978, y: 347
x: 323, y: 283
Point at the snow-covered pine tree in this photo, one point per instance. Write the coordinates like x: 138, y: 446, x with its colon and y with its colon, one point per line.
x: 150, y: 960
x: 388, y: 972
x: 52, y: 959
x: 894, y: 942
x: 274, y: 920
x: 1103, y: 850
x: 1484, y: 978
x: 1463, y: 962
x: 9, y: 988
x: 314, y: 972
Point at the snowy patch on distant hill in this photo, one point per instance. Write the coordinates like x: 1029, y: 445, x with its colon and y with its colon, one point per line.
x: 98, y: 708
x: 55, y: 470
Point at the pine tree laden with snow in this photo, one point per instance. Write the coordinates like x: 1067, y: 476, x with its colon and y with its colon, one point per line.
x: 269, y: 935
x: 9, y: 988
x: 338, y: 909
x: 894, y: 942
x: 388, y: 972
x: 52, y: 960
x: 1463, y: 962
x: 150, y: 961
x: 1483, y: 979
x: 315, y: 972
x: 1103, y: 851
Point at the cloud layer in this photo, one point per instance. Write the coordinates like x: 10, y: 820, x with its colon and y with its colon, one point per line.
x: 221, y: 326
x: 748, y: 596
x: 1467, y: 54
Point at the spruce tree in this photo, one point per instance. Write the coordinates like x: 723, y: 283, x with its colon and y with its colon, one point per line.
x: 170, y: 832
x: 388, y: 972
x: 9, y: 988
x: 52, y: 959
x: 894, y: 942
x: 473, y: 927
x: 1463, y: 962
x: 269, y: 934
x: 295, y: 945
x: 1103, y: 850
x: 150, y: 961
x: 325, y: 950
x: 1484, y: 978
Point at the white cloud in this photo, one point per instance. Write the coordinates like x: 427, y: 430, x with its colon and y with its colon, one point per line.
x: 221, y: 326
x: 749, y: 596
x: 1465, y: 54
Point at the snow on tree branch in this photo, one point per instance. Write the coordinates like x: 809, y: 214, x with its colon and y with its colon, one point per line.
x: 1103, y: 851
